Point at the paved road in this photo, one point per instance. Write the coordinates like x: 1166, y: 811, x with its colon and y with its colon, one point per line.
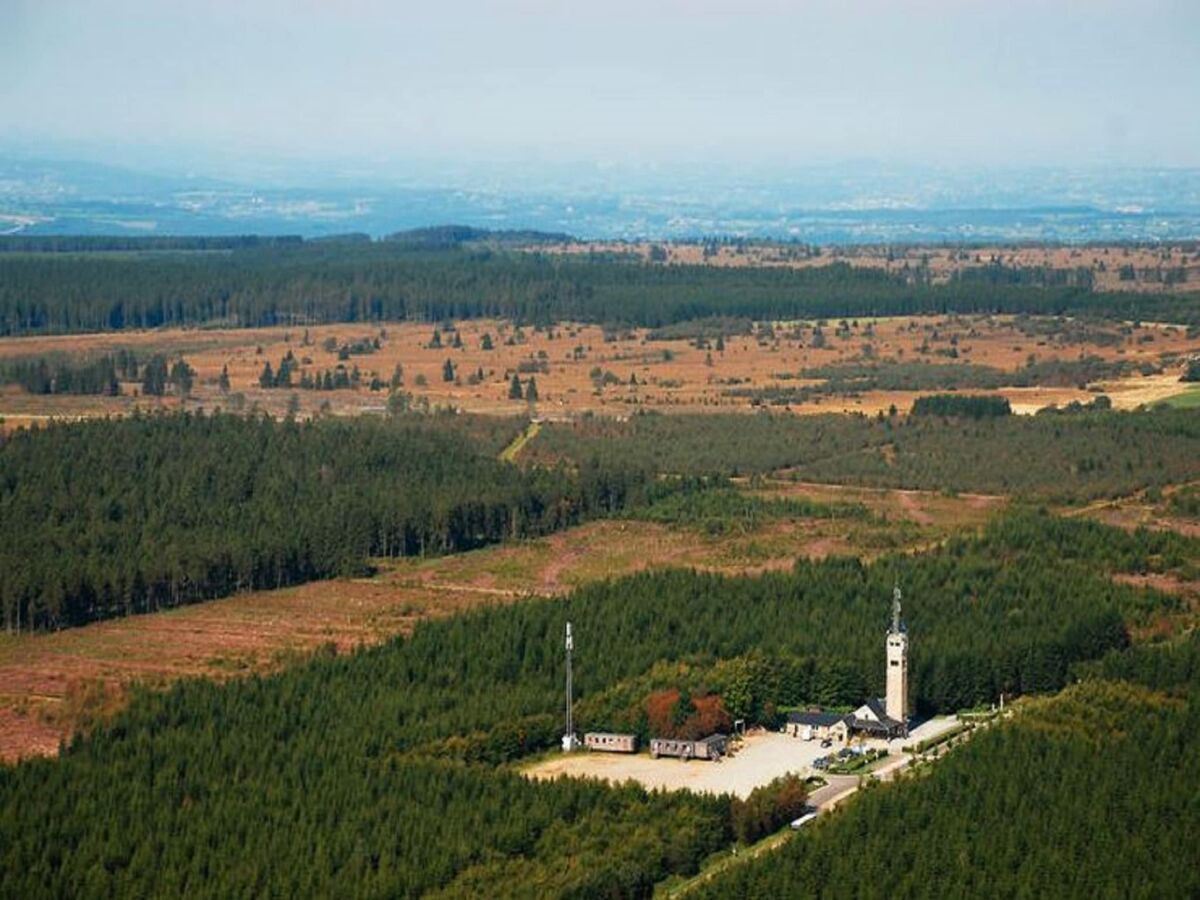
x: 838, y: 786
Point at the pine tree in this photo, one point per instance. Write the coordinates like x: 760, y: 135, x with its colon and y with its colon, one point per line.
x: 531, y: 391
x: 182, y: 377
x: 514, y: 389
x: 223, y: 380
x: 448, y: 371
x: 267, y: 378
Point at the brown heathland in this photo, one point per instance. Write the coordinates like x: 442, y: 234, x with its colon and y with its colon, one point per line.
x: 645, y: 373
x: 1149, y: 262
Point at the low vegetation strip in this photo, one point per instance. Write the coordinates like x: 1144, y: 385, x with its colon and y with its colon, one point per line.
x: 1062, y: 458
x: 510, y: 453
x: 947, y: 735
x: 716, y: 510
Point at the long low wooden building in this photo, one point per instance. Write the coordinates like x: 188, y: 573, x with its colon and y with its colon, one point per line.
x: 712, y: 747
x: 610, y: 742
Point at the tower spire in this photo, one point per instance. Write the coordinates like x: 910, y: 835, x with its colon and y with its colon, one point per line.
x: 896, y: 701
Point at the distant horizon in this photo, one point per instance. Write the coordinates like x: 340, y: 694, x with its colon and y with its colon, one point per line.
x: 852, y: 202
x: 968, y: 83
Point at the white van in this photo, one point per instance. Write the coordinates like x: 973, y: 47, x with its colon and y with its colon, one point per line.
x: 804, y: 820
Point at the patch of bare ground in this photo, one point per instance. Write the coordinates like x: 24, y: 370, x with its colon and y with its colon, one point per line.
x: 929, y: 508
x: 1141, y: 511
x: 1164, y: 624
x: 1168, y: 584
x: 50, y: 684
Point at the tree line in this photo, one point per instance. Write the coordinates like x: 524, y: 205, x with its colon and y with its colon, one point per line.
x: 107, y: 518
x: 294, y: 282
x: 61, y: 374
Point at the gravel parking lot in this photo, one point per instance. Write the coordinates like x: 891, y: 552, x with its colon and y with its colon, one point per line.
x: 762, y: 757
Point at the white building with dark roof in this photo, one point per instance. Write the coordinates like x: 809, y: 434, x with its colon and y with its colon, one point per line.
x: 816, y: 725
x: 872, y: 719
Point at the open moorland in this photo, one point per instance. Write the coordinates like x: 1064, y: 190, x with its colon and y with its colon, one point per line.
x: 856, y: 365
x: 1126, y: 267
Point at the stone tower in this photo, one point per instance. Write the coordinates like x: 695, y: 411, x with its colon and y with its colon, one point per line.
x: 896, y: 701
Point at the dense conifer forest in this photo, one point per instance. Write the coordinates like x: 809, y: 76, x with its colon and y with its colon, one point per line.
x: 375, y: 773
x: 293, y: 282
x: 1094, y: 793
x: 113, y: 517
x: 963, y: 406
x: 889, y: 375
x: 1067, y: 457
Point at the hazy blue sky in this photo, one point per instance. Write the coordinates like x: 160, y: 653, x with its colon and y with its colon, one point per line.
x: 1001, y: 82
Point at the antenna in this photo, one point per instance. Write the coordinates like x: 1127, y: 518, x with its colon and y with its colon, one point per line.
x: 896, y: 609
x: 569, y: 742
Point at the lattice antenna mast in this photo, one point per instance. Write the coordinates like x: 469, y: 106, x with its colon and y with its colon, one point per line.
x: 570, y: 734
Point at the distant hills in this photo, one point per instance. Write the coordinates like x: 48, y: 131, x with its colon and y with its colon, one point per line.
x: 847, y: 204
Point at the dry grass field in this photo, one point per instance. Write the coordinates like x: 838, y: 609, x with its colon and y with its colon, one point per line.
x: 51, y: 684
x: 942, y: 262
x: 579, y: 369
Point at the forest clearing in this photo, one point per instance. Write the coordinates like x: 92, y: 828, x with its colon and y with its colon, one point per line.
x: 757, y: 759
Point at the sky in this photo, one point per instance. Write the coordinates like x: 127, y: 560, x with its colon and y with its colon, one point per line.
x: 755, y: 82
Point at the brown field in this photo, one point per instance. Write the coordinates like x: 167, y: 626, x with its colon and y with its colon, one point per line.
x: 53, y: 684
x: 670, y: 375
x: 1104, y: 262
